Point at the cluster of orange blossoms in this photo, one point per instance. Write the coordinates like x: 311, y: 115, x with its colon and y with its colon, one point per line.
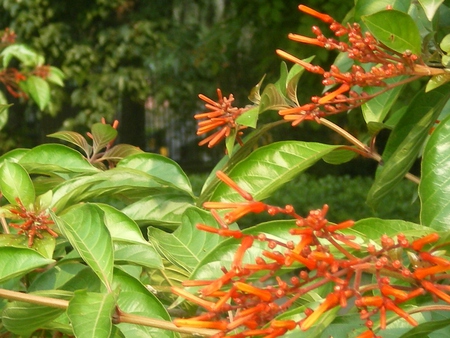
x: 247, y: 298
x: 364, y: 49
x: 33, y: 223
x: 221, y: 118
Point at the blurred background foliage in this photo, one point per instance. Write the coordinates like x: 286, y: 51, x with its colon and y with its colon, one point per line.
x: 144, y: 63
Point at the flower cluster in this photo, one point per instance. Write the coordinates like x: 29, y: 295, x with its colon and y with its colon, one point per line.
x: 363, y: 48
x: 249, y: 297
x: 33, y: 223
x: 221, y: 118
x: 11, y: 77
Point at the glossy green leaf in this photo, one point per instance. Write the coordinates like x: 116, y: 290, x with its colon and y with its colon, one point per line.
x: 120, y: 151
x: 280, y: 85
x: 423, y: 329
x: 137, y: 254
x: 160, y: 167
x: 102, y: 134
x: 376, y: 109
x: 45, y: 245
x: 396, y: 30
x: 51, y: 158
x: 74, y: 138
x: 187, y: 245
x: 339, y: 156
x: 254, y: 95
x: 13, y: 155
x: 85, y: 279
x: 25, y: 54
x: 16, y: 262
x: 16, y: 183
x: 57, y: 276
x: 430, y: 7
x: 367, y: 7
x: 136, y: 299
x: 91, y: 314
x: 437, y: 81
x: 39, y: 90
x: 269, y: 167
x: 249, y: 118
x: 163, y: 208
x: 406, y: 140
x: 24, y: 318
x: 84, y: 227
x: 120, y: 226
x: 56, y: 76
x: 435, y: 182
x: 272, y: 99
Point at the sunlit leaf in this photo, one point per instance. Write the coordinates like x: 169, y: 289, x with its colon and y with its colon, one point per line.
x: 437, y: 80
x: 15, y: 183
x: 367, y: 7
x: 56, y: 76
x: 396, y: 30
x: 4, y: 108
x: 138, y: 254
x: 120, y: 151
x: 91, y: 314
x: 25, y: 54
x: 39, y: 90
x: 74, y: 138
x: 102, y: 135
x: 430, y: 7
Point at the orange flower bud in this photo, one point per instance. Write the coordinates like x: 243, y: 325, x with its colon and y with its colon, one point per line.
x: 330, y: 301
x: 228, y: 181
x: 262, y: 294
x: 218, y: 325
x: 419, y: 243
x: 324, y: 17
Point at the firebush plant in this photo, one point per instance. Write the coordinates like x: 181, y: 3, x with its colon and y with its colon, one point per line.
x: 105, y: 240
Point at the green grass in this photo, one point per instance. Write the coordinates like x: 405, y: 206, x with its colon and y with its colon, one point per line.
x: 345, y: 196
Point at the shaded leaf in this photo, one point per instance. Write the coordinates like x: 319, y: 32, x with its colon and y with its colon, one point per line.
x: 396, y: 30
x: 56, y: 277
x: 249, y: 118
x: 16, y: 183
x: 423, y: 329
x: 3, y: 110
x: 269, y: 167
x: 85, y: 229
x: 39, y: 90
x: 339, y: 156
x: 102, y: 134
x: 91, y: 314
x: 138, y: 254
x: 254, y: 95
x: 292, y: 80
x: 272, y: 99
x: 16, y: 262
x: 120, y: 151
x: 435, y: 183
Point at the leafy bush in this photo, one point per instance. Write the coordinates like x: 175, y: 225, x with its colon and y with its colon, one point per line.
x: 110, y: 241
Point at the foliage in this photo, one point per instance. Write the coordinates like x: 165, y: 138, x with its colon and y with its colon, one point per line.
x: 118, y: 234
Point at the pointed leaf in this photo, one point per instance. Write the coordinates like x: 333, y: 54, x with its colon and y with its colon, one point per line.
x: 435, y: 182
x: 39, y: 90
x: 339, y: 156
x: 51, y: 158
x: 56, y: 76
x: 163, y: 208
x: 102, y: 134
x: 16, y: 262
x: 423, y: 329
x: 74, y: 138
x: 249, y: 118
x: 121, y: 151
x: 25, y: 54
x: 91, y: 314
x: 292, y: 80
x: 161, y: 167
x: 84, y: 227
x: 407, y: 139
x: 437, y: 80
x: 396, y: 30
x: 430, y: 7
x: 187, y: 245
x: 272, y: 99
x: 269, y: 167
x: 13, y: 155
x: 16, y: 183
x: 24, y: 318
x: 281, y: 82
x: 120, y: 226
x: 366, y: 7
x: 57, y: 276
x: 254, y: 95
x: 3, y: 110
x: 45, y: 245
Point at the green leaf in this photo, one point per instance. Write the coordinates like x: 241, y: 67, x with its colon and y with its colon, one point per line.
x: 434, y: 185
x: 102, y: 135
x: 272, y: 99
x: 137, y: 254
x: 56, y: 76
x: 45, y: 245
x: 16, y: 262
x: 269, y: 167
x: 74, y: 138
x: 163, y: 208
x: 339, y: 156
x: 376, y: 109
x: 423, y: 329
x: 280, y: 85
x: 13, y: 155
x: 23, y: 318
x: 406, y: 140
x: 84, y: 227
x: 3, y: 110
x: 430, y: 7
x: 120, y: 151
x: 16, y: 183
x: 254, y: 95
x: 91, y: 314
x: 436, y: 81
x: 396, y: 30
x: 39, y: 90
x: 292, y: 80
x: 120, y: 226
x: 55, y: 158
x: 134, y: 298
x: 249, y: 118
x: 186, y: 246
x: 367, y: 7
x: 26, y: 55
x: 160, y: 167
x: 57, y: 276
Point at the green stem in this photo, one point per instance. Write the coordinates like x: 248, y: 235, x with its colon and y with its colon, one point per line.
x: 121, y: 317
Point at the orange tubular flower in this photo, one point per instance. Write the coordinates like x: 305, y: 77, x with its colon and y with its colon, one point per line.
x: 419, y: 243
x: 222, y: 116
x: 194, y: 299
x: 430, y: 287
x: 324, y: 17
x: 264, y: 295
x: 218, y: 325
x: 330, y: 302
